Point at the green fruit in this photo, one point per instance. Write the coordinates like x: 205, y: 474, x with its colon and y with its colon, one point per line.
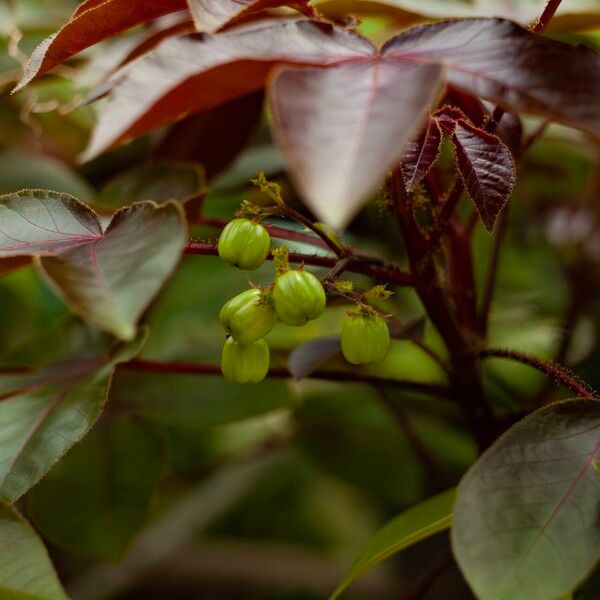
x: 365, y: 339
x: 248, y: 317
x: 298, y: 297
x: 244, y: 363
x: 244, y: 244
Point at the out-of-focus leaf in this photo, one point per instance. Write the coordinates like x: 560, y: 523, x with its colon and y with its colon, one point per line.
x: 213, y: 138
x: 43, y: 413
x: 591, y: 588
x: 212, y: 15
x: 343, y: 127
x: 510, y: 131
x: 92, y: 22
x: 421, y: 154
x: 159, y: 181
x: 308, y: 357
x: 415, y: 524
x: 97, y: 497
x: 111, y: 281
x: 519, y: 70
x: 186, y: 75
x: 43, y: 222
x: 526, y: 515
x: 26, y: 572
x: 486, y: 167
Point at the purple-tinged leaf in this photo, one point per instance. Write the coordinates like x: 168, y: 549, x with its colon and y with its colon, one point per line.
x: 486, y: 167
x: 526, y: 514
x: 111, y: 281
x: 306, y: 358
x: 342, y: 128
x: 506, y: 64
x: 212, y: 15
x: 43, y: 222
x: 92, y: 22
x: 510, y: 131
x: 421, y: 154
x: 472, y: 107
x: 186, y: 75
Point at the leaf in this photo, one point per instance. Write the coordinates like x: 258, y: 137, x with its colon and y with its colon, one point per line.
x: 26, y: 572
x: 44, y: 222
x: 96, y: 512
x: 420, y: 155
x: 44, y: 412
x: 186, y: 75
x: 213, y: 138
x: 519, y: 70
x: 92, y: 22
x: 111, y: 281
x: 159, y: 181
x: 343, y: 127
x: 308, y: 357
x: 415, y: 524
x: 212, y: 15
x: 526, y: 515
x: 486, y: 167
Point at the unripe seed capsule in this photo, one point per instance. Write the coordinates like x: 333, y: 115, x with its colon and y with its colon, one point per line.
x: 365, y: 339
x: 244, y: 244
x: 298, y: 297
x: 248, y: 316
x: 244, y: 363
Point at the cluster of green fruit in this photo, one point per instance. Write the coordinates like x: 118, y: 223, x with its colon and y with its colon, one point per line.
x: 295, y: 298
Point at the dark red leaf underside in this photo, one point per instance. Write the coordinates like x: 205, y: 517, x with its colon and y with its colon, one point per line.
x: 421, y: 154
x: 92, y: 22
x: 487, y: 169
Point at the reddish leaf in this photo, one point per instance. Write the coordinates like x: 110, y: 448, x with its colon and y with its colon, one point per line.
x: 215, y: 137
x: 191, y: 74
x: 472, y: 107
x: 486, y: 167
x: 92, y: 22
x: 510, y: 131
x: 342, y: 128
x: 521, y: 71
x: 420, y: 155
x: 212, y: 15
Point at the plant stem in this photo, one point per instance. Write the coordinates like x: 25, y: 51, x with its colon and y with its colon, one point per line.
x: 193, y: 368
x: 560, y: 373
x: 365, y: 266
x: 546, y: 16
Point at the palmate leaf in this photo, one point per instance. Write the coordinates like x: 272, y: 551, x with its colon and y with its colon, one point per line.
x: 43, y: 413
x: 93, y: 21
x: 26, y: 572
x: 526, y: 515
x: 109, y: 278
x: 420, y: 155
x: 96, y: 511
x: 212, y: 15
x: 491, y: 58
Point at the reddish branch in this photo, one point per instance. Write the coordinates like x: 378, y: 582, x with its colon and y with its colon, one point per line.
x: 560, y: 373
x: 365, y: 265
x: 193, y: 368
x: 546, y: 16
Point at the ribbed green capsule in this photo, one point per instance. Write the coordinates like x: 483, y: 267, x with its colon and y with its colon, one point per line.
x: 298, y: 297
x: 244, y: 363
x: 244, y: 244
x: 365, y: 339
x: 248, y: 317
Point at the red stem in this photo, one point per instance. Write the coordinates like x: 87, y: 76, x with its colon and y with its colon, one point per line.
x: 546, y: 16
x: 388, y: 273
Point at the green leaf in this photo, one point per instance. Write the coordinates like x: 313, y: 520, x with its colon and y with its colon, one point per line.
x: 26, y: 572
x: 526, y: 517
x: 159, y: 181
x: 112, y: 280
x: 44, y: 412
x: 96, y: 511
x: 413, y: 525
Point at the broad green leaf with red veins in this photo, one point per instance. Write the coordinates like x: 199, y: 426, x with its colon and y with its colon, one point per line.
x: 519, y: 70
x: 92, y: 22
x: 44, y: 412
x: 526, y: 515
x: 212, y: 15
x: 487, y: 169
x: 420, y: 154
x: 342, y: 128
